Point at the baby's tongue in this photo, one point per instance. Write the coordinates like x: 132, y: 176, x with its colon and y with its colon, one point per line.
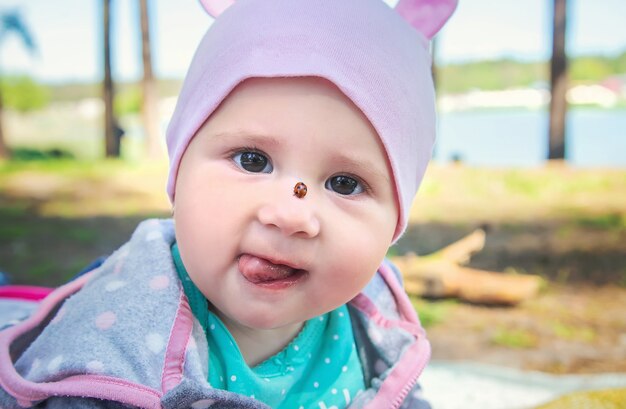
x: 258, y: 270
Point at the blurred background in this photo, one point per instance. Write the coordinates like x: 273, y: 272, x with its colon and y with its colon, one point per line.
x: 531, y: 152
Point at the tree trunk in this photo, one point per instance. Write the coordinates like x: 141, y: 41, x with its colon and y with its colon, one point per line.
x: 558, y: 83
x: 149, y: 103
x: 111, y: 136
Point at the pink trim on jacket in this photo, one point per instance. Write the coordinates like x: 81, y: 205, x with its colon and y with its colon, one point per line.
x: 404, y: 304
x: 173, y: 364
x: 396, y: 387
x: 405, y: 373
x: 101, y: 387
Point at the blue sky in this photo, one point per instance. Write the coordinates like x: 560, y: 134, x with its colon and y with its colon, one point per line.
x: 68, y: 34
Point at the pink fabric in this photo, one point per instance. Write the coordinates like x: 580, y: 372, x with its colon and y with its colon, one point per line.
x: 364, y: 47
x: 428, y: 16
x: 402, y: 300
x: 395, y: 387
x: 216, y: 7
x: 101, y: 386
x: 404, y: 375
x: 366, y: 306
x: 177, y: 345
x: 25, y: 292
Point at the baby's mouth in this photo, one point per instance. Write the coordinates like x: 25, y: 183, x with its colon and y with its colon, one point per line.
x: 260, y: 271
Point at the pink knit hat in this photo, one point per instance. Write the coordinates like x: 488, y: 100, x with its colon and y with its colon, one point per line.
x: 377, y: 56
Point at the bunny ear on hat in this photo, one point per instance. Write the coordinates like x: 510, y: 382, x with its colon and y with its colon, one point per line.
x: 216, y: 7
x: 426, y: 16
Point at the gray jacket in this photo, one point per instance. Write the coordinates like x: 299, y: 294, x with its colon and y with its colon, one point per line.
x: 123, y: 335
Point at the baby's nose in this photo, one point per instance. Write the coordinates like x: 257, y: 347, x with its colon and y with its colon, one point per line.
x: 292, y: 213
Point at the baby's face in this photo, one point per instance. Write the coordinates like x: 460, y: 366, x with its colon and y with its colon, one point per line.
x: 264, y: 257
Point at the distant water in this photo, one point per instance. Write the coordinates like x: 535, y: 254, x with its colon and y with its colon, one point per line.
x: 594, y: 138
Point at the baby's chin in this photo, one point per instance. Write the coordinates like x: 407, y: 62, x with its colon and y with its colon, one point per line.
x: 251, y: 320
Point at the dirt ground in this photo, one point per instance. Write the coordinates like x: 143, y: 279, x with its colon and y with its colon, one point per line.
x: 54, y: 223
x: 567, y: 329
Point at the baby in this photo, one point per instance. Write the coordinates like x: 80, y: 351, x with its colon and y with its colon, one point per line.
x: 300, y: 137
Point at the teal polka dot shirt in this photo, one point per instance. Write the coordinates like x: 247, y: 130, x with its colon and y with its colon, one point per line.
x: 318, y: 369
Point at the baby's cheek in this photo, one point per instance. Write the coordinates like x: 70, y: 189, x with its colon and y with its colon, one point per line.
x: 352, y: 273
x: 366, y: 261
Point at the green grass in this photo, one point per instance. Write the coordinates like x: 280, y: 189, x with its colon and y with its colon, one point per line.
x: 14, y: 232
x: 518, y: 183
x: 612, y: 221
x: 14, y: 209
x: 554, y: 192
x: 62, y: 167
x: 43, y: 268
x: 573, y: 333
x: 514, y: 338
x: 432, y: 313
x: 529, y: 185
x: 81, y: 234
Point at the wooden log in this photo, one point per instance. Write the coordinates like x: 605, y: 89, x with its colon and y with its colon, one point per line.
x: 441, y: 274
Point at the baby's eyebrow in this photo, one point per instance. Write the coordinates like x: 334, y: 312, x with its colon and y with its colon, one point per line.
x: 248, y: 138
x: 362, y: 165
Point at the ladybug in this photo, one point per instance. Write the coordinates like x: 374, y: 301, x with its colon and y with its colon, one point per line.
x: 299, y: 190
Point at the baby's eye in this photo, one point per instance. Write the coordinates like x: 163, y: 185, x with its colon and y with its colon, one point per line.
x: 345, y: 185
x: 252, y: 161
